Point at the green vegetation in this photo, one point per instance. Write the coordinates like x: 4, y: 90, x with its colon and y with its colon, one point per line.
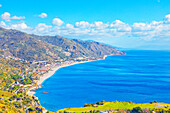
x: 17, y: 52
x: 136, y: 110
x: 13, y: 97
x: 118, y: 106
x: 7, y: 109
x: 10, y: 66
x: 4, y: 94
x: 13, y: 100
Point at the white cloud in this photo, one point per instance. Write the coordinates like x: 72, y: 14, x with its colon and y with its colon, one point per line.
x: 100, y: 25
x: 0, y: 5
x: 120, y: 26
x: 43, y: 15
x: 57, y: 21
x: 42, y: 28
x: 20, y: 26
x: 167, y: 18
x: 3, y: 24
x: 141, y: 27
x: 82, y: 24
x: 69, y: 26
x: 18, y: 17
x: 117, y: 23
x: 156, y: 23
x: 97, y: 29
x: 7, y: 17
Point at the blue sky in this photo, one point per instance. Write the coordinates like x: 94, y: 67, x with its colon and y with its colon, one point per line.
x: 143, y: 24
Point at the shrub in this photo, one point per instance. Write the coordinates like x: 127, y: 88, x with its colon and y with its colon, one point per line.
x: 151, y: 102
x: 155, y: 101
x: 136, y: 110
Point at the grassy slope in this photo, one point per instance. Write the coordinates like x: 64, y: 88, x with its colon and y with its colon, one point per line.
x: 10, y: 66
x: 5, y: 94
x: 8, y: 109
x: 115, y: 105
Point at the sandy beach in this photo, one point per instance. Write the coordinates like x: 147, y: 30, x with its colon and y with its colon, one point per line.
x: 31, y: 91
x: 47, y: 75
x: 53, y: 70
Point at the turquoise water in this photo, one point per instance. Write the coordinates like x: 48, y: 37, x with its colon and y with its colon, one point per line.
x: 139, y: 76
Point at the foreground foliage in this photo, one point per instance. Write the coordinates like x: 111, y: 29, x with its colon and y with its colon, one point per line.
x: 121, y: 107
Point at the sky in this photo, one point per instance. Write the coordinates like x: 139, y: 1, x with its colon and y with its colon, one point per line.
x: 135, y: 24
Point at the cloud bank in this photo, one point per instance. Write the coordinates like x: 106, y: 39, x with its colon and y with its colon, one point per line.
x: 117, y: 28
x: 7, y: 17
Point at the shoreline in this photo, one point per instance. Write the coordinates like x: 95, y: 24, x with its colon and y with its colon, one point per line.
x: 54, y: 69
x: 51, y: 72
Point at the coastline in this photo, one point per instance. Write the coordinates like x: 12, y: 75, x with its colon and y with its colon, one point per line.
x: 51, y: 72
x: 54, y: 69
x: 31, y: 91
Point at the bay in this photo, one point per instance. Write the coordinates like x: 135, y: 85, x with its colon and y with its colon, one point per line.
x: 140, y: 76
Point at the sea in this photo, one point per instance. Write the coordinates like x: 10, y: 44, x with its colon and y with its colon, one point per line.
x: 139, y: 76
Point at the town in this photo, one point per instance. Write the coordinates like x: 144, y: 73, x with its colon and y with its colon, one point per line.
x: 26, y: 82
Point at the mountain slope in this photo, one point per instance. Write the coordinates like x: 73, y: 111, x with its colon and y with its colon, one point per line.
x: 21, y: 45
x: 79, y: 48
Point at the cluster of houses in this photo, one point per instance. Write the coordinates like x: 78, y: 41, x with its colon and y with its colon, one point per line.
x: 41, y: 67
x: 38, y: 69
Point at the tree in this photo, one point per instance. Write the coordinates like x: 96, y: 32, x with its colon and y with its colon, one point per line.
x: 85, y: 104
x: 103, y: 101
x: 155, y: 101
x: 163, y: 111
x: 30, y: 109
x: 151, y: 102
x: 136, y: 110
x: 98, y: 111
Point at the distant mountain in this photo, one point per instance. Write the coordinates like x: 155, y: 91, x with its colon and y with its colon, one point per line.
x: 21, y: 45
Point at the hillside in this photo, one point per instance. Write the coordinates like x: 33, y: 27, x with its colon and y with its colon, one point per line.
x: 11, y: 66
x: 78, y: 48
x: 17, y: 44
x: 14, y: 43
x: 19, y: 74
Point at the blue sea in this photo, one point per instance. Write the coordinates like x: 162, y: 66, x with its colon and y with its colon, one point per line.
x: 140, y: 76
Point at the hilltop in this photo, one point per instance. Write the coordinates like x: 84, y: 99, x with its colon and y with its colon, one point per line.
x: 17, y: 44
